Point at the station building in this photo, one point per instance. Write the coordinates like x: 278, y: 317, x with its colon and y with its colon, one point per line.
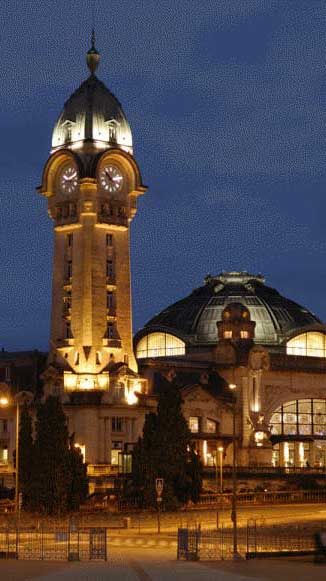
x: 232, y: 332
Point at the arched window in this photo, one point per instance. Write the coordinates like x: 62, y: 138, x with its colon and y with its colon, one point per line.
x: 303, y: 417
x: 159, y: 345
x: 311, y: 344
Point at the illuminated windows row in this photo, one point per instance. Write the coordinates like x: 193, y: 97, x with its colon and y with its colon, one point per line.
x: 304, y: 417
x: 160, y: 345
x: 312, y: 344
x: 197, y: 424
x: 229, y: 334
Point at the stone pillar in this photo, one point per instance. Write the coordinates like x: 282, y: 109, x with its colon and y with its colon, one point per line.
x: 297, y: 461
x: 246, y: 429
x: 312, y: 454
x: 281, y: 460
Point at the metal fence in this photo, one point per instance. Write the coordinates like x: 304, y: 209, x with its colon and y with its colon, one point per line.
x: 253, y: 541
x: 57, y: 543
x: 280, y: 497
x: 243, y: 498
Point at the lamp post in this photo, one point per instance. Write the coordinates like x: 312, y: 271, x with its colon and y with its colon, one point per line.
x: 220, y: 449
x: 21, y: 396
x: 233, y: 387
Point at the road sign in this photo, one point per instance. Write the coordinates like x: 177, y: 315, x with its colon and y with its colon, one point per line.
x: 159, y: 484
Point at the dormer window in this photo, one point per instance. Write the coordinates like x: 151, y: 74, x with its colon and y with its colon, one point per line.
x: 112, y: 125
x: 68, y: 125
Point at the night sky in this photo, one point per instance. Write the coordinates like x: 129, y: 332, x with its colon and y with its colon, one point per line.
x: 227, y: 104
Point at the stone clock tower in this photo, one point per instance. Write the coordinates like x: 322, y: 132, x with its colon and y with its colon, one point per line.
x: 92, y: 183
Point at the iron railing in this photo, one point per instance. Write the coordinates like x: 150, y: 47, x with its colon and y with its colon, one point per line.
x: 63, y: 543
x: 253, y: 541
x: 281, y: 497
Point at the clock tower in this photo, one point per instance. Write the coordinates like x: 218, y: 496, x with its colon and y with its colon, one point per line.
x: 92, y: 183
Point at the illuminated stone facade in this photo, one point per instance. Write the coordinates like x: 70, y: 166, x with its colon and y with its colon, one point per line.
x: 92, y: 181
x: 237, y: 331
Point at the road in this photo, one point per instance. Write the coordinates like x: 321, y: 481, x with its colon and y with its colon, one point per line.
x: 277, y: 514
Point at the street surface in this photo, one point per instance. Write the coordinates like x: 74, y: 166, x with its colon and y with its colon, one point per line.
x: 160, y: 565
x: 147, y: 522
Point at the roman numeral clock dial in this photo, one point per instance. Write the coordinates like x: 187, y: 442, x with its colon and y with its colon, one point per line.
x: 111, y: 178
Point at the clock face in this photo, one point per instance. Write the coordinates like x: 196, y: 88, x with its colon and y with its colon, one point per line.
x: 111, y: 178
x: 68, y: 180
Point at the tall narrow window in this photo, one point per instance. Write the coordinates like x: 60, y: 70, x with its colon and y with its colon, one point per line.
x: 7, y: 373
x: 110, y: 331
x: 109, y: 268
x: 70, y: 238
x: 109, y: 300
x: 117, y: 424
x: 69, y: 268
x: 68, y: 132
x: 194, y: 424
x: 112, y: 132
x: 67, y: 302
x: 109, y: 240
x: 68, y: 333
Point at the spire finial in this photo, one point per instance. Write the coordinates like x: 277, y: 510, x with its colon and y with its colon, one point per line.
x: 92, y: 57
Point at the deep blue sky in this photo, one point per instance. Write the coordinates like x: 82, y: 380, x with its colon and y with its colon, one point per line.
x: 227, y: 103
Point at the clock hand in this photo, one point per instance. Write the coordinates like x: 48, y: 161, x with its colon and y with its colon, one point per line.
x: 107, y: 173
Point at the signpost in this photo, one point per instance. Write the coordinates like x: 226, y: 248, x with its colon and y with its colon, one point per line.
x: 159, y: 485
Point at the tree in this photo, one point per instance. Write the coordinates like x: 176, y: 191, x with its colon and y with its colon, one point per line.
x: 26, y: 456
x: 78, y: 483
x: 52, y: 466
x: 165, y: 451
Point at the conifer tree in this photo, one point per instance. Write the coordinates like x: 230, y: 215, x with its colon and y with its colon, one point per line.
x: 165, y: 451
x: 78, y: 482
x: 52, y: 470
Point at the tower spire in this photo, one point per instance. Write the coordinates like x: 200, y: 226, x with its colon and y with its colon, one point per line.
x: 93, y: 56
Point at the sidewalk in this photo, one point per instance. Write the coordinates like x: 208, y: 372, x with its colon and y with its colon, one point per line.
x: 160, y: 565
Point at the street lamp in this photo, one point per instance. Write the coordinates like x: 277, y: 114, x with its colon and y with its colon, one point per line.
x: 220, y: 449
x: 233, y: 387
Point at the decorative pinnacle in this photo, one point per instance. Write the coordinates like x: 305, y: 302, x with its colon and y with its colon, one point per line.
x: 92, y: 57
